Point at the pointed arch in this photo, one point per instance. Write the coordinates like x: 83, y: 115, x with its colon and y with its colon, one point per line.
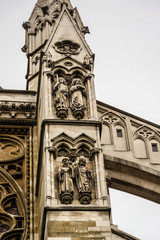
x: 112, y: 118
x: 81, y: 143
x: 146, y: 132
x: 139, y: 148
x: 152, y: 143
x: 114, y: 131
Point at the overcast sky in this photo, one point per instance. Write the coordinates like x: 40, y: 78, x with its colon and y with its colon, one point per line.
x: 125, y: 37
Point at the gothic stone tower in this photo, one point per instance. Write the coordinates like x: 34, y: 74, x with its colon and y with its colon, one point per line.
x: 71, y: 194
x: 60, y: 149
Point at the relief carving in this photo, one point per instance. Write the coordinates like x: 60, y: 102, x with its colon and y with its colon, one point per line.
x: 65, y: 179
x: 67, y: 47
x: 13, y: 108
x: 77, y: 103
x: 85, y: 30
x: 88, y: 62
x: 61, y: 97
x: 83, y: 181
x: 10, y: 149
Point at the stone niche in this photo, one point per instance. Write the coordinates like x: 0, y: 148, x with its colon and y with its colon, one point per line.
x: 73, y: 169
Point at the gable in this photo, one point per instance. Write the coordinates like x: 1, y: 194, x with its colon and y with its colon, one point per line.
x: 66, y: 29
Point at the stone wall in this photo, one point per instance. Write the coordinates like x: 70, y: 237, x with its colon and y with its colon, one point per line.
x: 78, y: 225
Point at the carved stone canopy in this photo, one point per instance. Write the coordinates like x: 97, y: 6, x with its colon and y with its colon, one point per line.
x: 66, y: 146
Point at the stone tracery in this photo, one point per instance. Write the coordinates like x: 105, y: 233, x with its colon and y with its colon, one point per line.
x: 12, y: 209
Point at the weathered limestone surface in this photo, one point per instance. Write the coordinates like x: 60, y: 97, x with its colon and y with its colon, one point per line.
x: 60, y: 150
x: 79, y: 225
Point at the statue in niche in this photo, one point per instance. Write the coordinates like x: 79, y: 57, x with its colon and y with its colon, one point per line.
x: 83, y: 180
x: 61, y: 100
x: 77, y: 103
x: 65, y: 179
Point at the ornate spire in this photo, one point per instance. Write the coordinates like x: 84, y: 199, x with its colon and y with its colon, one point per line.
x: 43, y: 3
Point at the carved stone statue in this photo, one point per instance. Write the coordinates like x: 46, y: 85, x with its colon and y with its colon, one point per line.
x: 61, y: 100
x: 77, y: 103
x: 83, y: 180
x: 65, y: 179
x: 88, y: 62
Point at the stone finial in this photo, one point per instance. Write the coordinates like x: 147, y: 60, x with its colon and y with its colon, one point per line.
x: 43, y: 3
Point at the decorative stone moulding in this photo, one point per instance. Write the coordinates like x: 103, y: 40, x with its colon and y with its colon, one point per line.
x: 67, y: 48
x: 26, y: 109
x: 27, y: 106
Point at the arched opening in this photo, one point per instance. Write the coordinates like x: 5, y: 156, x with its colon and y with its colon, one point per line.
x: 140, y: 148
x: 119, y: 136
x: 106, y: 135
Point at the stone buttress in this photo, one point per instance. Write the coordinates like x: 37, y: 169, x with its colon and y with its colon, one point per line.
x: 72, y: 198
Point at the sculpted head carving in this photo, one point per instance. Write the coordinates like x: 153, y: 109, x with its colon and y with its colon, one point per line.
x: 65, y: 162
x: 82, y: 161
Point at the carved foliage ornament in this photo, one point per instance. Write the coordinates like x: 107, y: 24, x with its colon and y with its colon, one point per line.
x: 67, y: 47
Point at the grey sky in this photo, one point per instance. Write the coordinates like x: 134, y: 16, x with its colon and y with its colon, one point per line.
x: 125, y: 36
